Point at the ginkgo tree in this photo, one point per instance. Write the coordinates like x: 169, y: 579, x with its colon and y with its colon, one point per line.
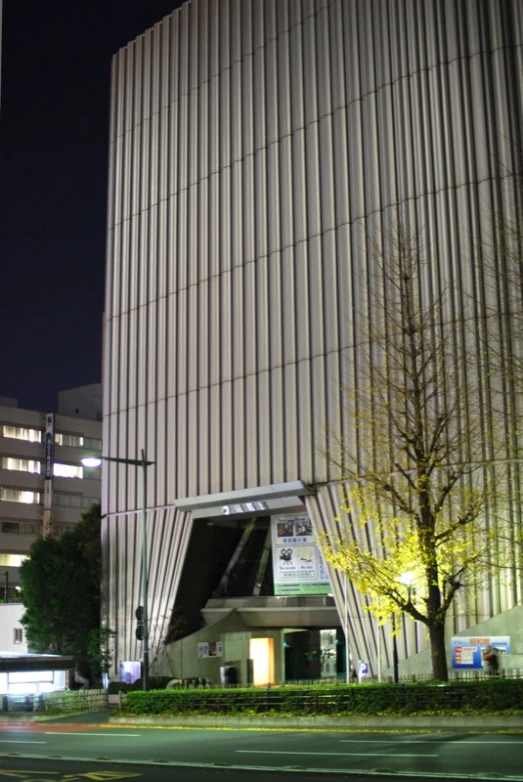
x: 421, y: 488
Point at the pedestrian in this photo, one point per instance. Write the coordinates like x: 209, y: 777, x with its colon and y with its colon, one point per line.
x: 490, y: 660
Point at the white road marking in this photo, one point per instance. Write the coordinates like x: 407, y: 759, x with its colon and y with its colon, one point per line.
x: 2, y: 741
x: 111, y: 735
x: 335, y: 754
x: 424, y: 741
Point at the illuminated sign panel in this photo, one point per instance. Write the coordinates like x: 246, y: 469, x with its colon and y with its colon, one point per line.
x: 298, y: 564
x: 469, y: 652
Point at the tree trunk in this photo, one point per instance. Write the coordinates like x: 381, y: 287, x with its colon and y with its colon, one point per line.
x: 438, y: 652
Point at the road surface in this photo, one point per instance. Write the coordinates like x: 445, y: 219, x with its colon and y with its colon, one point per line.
x: 341, y: 753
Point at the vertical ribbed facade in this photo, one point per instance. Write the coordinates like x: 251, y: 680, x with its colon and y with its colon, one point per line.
x: 254, y: 144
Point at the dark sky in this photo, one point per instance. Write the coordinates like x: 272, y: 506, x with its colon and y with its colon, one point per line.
x: 54, y: 120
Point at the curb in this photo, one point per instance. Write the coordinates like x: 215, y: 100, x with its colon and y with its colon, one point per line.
x: 486, y: 724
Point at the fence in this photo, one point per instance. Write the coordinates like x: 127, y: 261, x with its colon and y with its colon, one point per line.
x: 475, y: 674
x: 454, y: 676
x: 73, y: 702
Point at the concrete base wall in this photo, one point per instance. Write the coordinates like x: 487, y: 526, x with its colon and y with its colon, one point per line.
x: 180, y: 660
x: 508, y: 623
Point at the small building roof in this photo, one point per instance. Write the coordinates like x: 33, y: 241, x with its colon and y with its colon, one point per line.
x: 11, y: 662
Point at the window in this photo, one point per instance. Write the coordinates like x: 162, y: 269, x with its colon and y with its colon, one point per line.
x: 12, y: 560
x: 19, y: 528
x: 60, y: 529
x: 20, y: 495
x: 71, y: 440
x: 21, y: 465
x: 10, y: 527
x: 93, y: 443
x: 67, y: 471
x: 78, y: 441
x: 21, y: 433
x: 19, y: 635
x: 64, y: 500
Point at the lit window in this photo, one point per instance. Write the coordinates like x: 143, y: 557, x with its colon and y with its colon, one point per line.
x: 19, y: 635
x: 22, y: 465
x: 71, y: 440
x: 19, y: 495
x: 21, y: 433
x: 12, y: 560
x: 67, y: 471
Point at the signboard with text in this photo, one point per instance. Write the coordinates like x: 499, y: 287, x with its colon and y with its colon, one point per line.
x: 48, y: 474
x: 467, y: 652
x: 298, y: 564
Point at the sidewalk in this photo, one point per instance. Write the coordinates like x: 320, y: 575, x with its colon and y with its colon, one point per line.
x: 84, y: 717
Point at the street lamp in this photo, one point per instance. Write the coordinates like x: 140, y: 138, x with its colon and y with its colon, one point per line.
x: 406, y: 579
x: 96, y: 461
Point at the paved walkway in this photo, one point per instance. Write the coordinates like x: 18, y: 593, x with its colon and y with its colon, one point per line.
x: 90, y: 717
x: 35, y: 718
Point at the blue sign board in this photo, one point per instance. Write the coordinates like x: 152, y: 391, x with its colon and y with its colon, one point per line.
x: 467, y: 652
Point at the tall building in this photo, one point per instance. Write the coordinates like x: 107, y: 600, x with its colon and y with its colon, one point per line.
x: 1, y: 15
x: 43, y: 485
x: 253, y: 144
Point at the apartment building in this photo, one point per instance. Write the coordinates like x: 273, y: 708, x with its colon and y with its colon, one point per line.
x: 43, y: 485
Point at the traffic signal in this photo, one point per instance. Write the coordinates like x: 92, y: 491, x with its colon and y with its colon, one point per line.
x: 139, y: 623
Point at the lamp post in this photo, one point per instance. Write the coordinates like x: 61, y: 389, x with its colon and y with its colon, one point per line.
x: 96, y: 461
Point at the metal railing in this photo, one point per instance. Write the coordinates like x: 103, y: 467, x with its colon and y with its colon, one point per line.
x: 454, y: 676
x: 63, y: 702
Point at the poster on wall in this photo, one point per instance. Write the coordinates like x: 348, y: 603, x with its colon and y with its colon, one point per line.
x: 298, y: 564
x: 468, y: 652
x: 210, y: 649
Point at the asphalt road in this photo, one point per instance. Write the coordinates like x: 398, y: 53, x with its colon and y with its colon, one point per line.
x: 278, y: 752
x: 26, y: 770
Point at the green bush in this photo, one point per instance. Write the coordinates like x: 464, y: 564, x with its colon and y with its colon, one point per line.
x: 370, y: 699
x: 155, y: 683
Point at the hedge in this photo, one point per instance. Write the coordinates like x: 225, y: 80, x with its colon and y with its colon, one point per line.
x: 485, y: 697
x: 159, y: 682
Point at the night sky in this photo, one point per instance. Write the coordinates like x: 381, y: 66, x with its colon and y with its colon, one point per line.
x: 54, y: 120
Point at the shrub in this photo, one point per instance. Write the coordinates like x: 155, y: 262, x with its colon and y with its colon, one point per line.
x: 155, y: 683
x: 369, y: 699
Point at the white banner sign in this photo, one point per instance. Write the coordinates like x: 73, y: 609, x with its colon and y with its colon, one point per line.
x: 298, y: 564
